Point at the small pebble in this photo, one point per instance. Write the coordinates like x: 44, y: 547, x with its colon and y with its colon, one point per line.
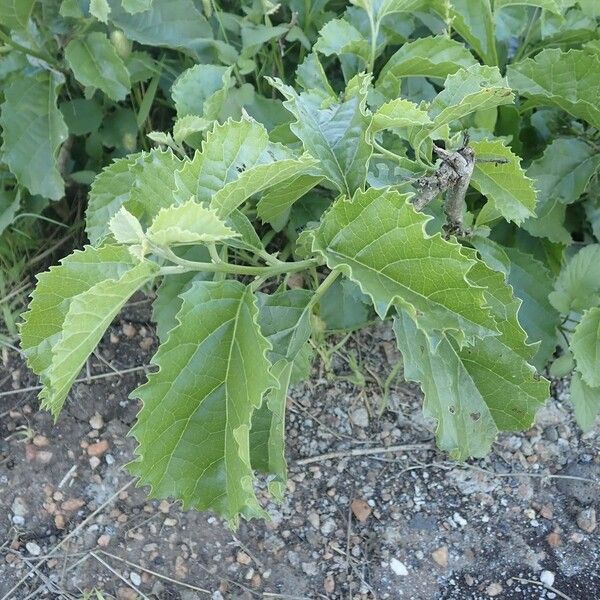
x: 96, y: 421
x: 493, y: 590
x: 360, y: 417
x: 104, y: 540
x: 33, y: 548
x: 94, y: 462
x: 98, y: 449
x: 398, y: 567
x: 135, y: 578
x: 586, y: 520
x: 440, y: 556
x: 547, y: 578
x: 361, y: 509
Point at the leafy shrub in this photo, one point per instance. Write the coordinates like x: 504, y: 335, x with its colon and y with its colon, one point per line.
x: 432, y: 164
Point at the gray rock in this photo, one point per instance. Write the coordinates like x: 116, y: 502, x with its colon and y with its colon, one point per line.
x: 582, y: 491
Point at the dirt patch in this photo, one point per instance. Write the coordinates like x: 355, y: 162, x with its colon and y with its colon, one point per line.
x: 402, y: 524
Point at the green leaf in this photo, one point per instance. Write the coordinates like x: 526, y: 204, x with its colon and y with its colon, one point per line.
x: 311, y: 76
x: 509, y: 191
x: 568, y: 80
x: 382, y: 8
x: 586, y: 401
x: 474, y: 21
x: 10, y: 202
x: 168, y: 300
x: 549, y: 5
x: 125, y: 228
x: 399, y: 114
x: 379, y: 241
x: 136, y: 6
x: 15, y: 14
x: 475, y: 391
x: 335, y: 135
x: 188, y: 223
x: 577, y: 287
x: 33, y: 131
x: 532, y: 283
x: 81, y: 116
x: 435, y: 57
x: 71, y: 308
x: 284, y: 319
x: 109, y: 191
x: 274, y: 207
x: 267, y: 435
x: 193, y: 428
x: 201, y: 90
x: 339, y: 37
x: 100, y: 9
x: 585, y: 345
x: 95, y: 62
x: 344, y: 307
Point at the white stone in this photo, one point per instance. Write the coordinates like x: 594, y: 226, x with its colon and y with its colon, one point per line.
x: 547, y: 578
x: 33, y: 548
x: 398, y: 567
x: 360, y: 417
x: 135, y: 578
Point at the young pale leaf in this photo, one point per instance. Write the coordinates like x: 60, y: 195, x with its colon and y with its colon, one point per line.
x: 109, y: 191
x: 475, y: 391
x: 15, y: 14
x: 379, y: 241
x: 568, y: 80
x: 95, y: 62
x: 586, y: 401
x: 136, y: 6
x: 201, y: 90
x: 100, y: 9
x: 335, y: 135
x: 71, y: 308
x: 585, y: 345
x: 125, y: 228
x: 193, y: 428
x: 577, y: 287
x: 509, y: 191
x: 435, y: 57
x: 399, y: 114
x: 33, y: 130
x: 188, y: 223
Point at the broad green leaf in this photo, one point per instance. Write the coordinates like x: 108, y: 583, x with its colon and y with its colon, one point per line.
x: 33, y: 130
x: 168, y: 300
x: 201, y: 90
x: 475, y: 391
x: 532, y: 283
x: 10, y: 202
x: 549, y: 5
x: 100, y: 9
x: 193, y: 428
x: 70, y: 309
x: 474, y: 21
x: 274, y: 207
x: 15, y: 14
x: 267, y: 435
x: 95, y: 62
x: 568, y: 80
x: 435, y: 57
x: 81, y: 116
x: 256, y: 35
x: 340, y: 37
x: 585, y: 345
x: 335, y: 135
x: 586, y: 401
x: 189, y: 223
x: 379, y: 241
x: 186, y: 129
x: 344, y: 307
x: 577, y: 287
x: 284, y: 319
x: 109, y: 191
x: 174, y: 24
x: 509, y: 191
x: 382, y: 8
x: 311, y: 76
x: 136, y: 6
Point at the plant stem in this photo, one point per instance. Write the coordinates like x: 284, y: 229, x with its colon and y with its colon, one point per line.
x: 41, y: 55
x: 374, y: 33
x: 325, y: 285
x: 183, y: 265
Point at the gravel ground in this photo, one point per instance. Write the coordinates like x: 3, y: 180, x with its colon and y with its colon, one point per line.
x: 387, y: 517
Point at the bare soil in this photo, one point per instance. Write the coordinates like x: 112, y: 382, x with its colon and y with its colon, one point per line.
x: 395, y: 524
